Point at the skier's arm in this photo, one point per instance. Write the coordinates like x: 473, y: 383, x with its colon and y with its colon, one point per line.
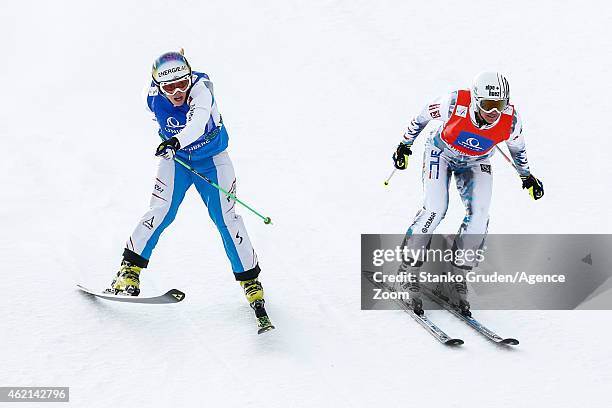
x: 149, y: 92
x: 516, y: 146
x: 200, y: 106
x: 440, y: 108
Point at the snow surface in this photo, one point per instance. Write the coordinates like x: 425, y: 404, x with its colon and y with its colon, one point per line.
x: 315, y: 95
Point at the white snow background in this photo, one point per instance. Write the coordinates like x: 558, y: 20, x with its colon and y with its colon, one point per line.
x: 315, y: 96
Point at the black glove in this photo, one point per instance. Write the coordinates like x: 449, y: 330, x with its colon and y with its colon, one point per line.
x: 167, y: 149
x: 534, y: 186
x: 400, y: 157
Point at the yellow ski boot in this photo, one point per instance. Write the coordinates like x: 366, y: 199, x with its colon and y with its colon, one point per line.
x: 253, y: 291
x: 127, y: 281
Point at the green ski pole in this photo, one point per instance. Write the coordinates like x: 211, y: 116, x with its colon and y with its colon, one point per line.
x: 266, y: 220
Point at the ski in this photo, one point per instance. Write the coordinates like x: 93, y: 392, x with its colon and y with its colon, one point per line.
x: 171, y: 296
x: 423, y: 320
x: 264, y: 324
x: 470, y: 320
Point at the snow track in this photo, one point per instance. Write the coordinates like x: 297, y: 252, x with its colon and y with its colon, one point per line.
x: 315, y: 96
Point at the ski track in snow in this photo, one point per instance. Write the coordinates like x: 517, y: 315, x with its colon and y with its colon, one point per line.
x: 315, y: 96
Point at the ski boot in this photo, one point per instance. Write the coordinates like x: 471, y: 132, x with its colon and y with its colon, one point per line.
x: 458, y: 290
x: 441, y: 291
x: 460, y: 300
x: 414, y: 297
x: 253, y: 291
x: 127, y: 281
x: 413, y: 288
x: 455, y: 294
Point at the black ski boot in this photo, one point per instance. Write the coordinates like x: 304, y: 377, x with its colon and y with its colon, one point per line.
x: 460, y: 302
x: 414, y: 296
x: 412, y: 287
x: 417, y: 305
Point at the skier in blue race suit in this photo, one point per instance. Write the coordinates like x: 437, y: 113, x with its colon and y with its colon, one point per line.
x: 191, y: 129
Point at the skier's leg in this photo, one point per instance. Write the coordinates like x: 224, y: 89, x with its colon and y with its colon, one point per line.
x: 436, y: 177
x: 171, y: 184
x: 221, y: 209
x: 238, y: 248
x: 475, y: 185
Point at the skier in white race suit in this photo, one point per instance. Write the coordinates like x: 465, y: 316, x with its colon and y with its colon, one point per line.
x: 474, y: 122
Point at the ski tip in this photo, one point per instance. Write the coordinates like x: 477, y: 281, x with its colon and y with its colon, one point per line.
x: 510, y: 342
x: 265, y: 329
x: 175, y: 295
x: 84, y: 289
x: 453, y: 342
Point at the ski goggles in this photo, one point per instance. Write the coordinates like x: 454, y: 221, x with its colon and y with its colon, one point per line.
x: 172, y: 87
x: 489, y: 105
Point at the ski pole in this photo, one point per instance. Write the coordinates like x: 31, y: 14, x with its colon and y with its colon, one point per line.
x: 386, y: 183
x: 507, y: 159
x: 266, y: 220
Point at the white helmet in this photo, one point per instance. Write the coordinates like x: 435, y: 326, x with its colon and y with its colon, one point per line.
x: 170, y: 66
x: 490, y: 86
